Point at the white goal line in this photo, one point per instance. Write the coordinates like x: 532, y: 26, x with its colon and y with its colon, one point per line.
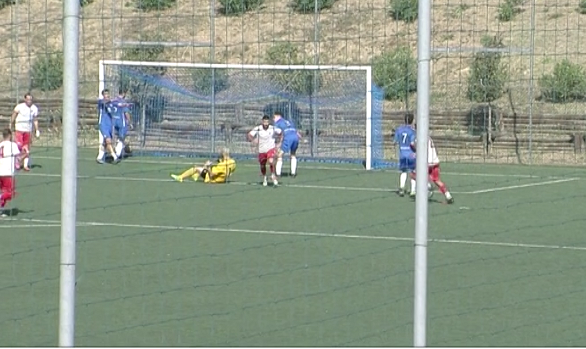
x: 309, y: 186
x: 54, y: 223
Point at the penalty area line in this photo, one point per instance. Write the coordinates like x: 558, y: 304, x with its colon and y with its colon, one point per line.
x: 519, y: 186
x: 313, y: 234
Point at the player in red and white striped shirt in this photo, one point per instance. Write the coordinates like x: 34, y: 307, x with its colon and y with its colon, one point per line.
x: 24, y: 117
x: 433, y: 164
x: 263, y: 136
x: 9, y: 158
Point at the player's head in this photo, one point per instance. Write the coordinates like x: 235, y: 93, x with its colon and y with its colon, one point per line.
x: 122, y: 92
x: 277, y: 116
x: 28, y: 99
x: 265, y: 122
x: 409, y: 119
x: 7, y: 134
x: 106, y: 94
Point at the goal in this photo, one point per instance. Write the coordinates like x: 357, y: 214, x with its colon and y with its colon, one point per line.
x: 191, y: 109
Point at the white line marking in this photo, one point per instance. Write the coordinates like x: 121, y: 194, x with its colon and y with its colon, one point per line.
x: 301, y: 233
x: 511, y: 187
x: 28, y: 226
x: 311, y: 167
x: 305, y: 186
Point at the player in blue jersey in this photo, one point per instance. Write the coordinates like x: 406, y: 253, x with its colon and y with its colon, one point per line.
x: 287, y: 142
x: 106, y: 126
x: 405, y: 137
x: 121, y: 121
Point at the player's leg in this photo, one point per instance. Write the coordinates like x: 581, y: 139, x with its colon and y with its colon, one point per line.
x: 434, y: 177
x: 262, y: 161
x: 6, y: 190
x: 193, y: 172
x: 280, y: 152
x: 26, y: 139
x: 403, y: 176
x: 271, y: 161
x: 122, y: 130
x: 293, y: 151
x: 101, y: 148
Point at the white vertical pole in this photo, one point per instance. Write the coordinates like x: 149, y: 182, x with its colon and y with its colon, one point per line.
x: 315, y: 78
x: 101, y: 78
x: 213, y: 60
x: 368, y: 86
x: 531, y: 81
x: 69, y: 173
x: 423, y: 86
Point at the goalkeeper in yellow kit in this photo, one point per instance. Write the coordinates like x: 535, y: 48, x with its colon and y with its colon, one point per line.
x: 210, y: 172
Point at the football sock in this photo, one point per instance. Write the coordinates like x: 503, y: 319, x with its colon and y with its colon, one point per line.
x: 448, y: 195
x: 26, y: 162
x: 413, y: 186
x: 119, y: 149
x: 442, y: 187
x: 101, y: 153
x: 279, y: 166
x: 293, y: 165
x: 112, y: 152
x: 188, y: 173
x: 402, y: 180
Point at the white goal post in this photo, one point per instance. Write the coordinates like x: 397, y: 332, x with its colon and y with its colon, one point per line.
x: 252, y: 83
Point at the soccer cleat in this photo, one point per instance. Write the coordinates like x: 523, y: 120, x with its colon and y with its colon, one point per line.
x: 116, y: 162
x: 264, y: 182
x: 292, y: 175
x: 177, y: 178
x: 26, y: 168
x: 100, y: 161
x: 401, y: 192
x: 430, y: 194
x: 275, y: 181
x: 412, y: 195
x: 450, y: 201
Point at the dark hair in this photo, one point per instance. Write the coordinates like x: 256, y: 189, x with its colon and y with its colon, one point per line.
x: 105, y: 91
x: 28, y: 94
x: 409, y: 117
x: 6, y: 133
x: 265, y: 117
x: 121, y: 91
x: 277, y: 113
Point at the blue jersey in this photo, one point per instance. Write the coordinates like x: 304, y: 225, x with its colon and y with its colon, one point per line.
x: 405, y: 136
x: 119, y: 107
x: 287, y: 129
x: 104, y: 113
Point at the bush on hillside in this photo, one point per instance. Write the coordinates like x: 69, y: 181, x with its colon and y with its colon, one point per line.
x: 82, y: 3
x: 486, y: 82
x: 6, y: 3
x: 154, y: 5
x: 404, y: 10
x: 567, y: 83
x: 47, y: 72
x: 582, y: 7
x: 292, y: 81
x: 236, y: 7
x: 308, y: 6
x: 203, y: 84
x: 396, y: 72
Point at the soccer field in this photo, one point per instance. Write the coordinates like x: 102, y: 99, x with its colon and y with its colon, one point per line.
x: 324, y: 260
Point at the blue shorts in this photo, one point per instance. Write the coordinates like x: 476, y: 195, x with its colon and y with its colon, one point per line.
x: 290, y: 145
x: 106, y: 130
x: 407, y: 164
x: 121, y: 128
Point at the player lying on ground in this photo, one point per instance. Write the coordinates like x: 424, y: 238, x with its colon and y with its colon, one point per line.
x: 24, y: 117
x: 288, y: 142
x: 405, y: 138
x: 106, y: 125
x: 263, y: 136
x: 210, y: 172
x: 9, y: 157
x: 433, y: 169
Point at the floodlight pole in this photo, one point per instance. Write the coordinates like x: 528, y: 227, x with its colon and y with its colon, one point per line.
x: 69, y: 173
x: 423, y: 86
x: 212, y: 58
x: 315, y: 78
x: 531, y: 81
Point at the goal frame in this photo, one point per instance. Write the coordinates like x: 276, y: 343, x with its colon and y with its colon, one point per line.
x: 368, y: 164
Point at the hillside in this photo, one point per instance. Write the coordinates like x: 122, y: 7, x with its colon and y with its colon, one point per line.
x: 351, y: 32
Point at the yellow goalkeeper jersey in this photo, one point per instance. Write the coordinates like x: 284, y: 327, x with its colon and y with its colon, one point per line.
x: 221, y: 171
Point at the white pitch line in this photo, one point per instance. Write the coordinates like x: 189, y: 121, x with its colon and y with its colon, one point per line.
x: 307, y: 186
x: 519, y: 186
x: 28, y: 226
x: 311, y: 167
x: 324, y: 235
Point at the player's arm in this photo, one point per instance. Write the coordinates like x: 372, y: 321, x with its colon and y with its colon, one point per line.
x: 13, y: 118
x: 279, y: 137
x: 251, y: 136
x: 413, y: 143
x: 36, y: 124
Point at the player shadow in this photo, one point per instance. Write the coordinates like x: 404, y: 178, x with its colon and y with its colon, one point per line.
x: 36, y: 166
x: 13, y: 212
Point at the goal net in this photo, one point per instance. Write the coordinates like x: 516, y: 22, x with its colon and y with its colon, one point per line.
x: 195, y: 109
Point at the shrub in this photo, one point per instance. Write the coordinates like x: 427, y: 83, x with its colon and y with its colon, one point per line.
x: 82, y: 3
x: 478, y: 118
x: 396, y: 72
x: 582, y: 7
x: 404, y: 10
x: 236, y: 7
x: 567, y: 83
x: 153, y: 5
x: 508, y: 10
x: 292, y: 81
x: 202, y: 80
x: 487, y: 78
x: 47, y: 72
x: 308, y: 6
x: 6, y: 3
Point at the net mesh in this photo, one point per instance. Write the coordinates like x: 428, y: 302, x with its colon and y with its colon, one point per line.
x: 194, y: 111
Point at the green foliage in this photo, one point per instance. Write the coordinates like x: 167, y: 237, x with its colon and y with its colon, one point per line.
x: 82, y: 3
x: 202, y: 80
x: 478, y: 119
x: 308, y: 6
x: 486, y: 82
x: 567, y: 83
x: 6, y: 3
x: 508, y: 9
x: 404, y: 10
x: 47, y: 72
x: 396, y: 72
x: 236, y: 7
x: 153, y: 5
x: 582, y: 7
x: 293, y: 81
